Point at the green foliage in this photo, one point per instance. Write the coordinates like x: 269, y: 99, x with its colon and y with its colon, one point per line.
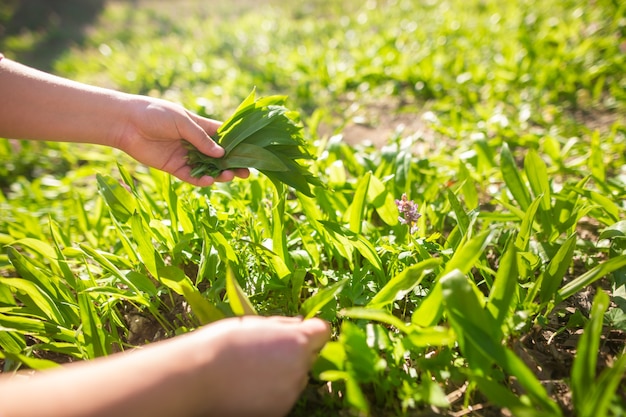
x: 513, y: 153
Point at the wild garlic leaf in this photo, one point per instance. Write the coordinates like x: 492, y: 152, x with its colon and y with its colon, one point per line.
x: 261, y: 134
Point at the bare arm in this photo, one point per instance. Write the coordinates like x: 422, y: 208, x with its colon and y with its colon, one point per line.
x: 41, y: 106
x: 249, y: 366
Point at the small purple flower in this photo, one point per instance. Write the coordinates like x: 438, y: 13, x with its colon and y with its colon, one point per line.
x: 408, y: 212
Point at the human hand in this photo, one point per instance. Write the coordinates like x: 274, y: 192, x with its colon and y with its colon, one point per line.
x: 154, y: 134
x: 260, y: 365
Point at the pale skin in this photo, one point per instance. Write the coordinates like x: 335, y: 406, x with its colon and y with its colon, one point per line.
x: 250, y: 366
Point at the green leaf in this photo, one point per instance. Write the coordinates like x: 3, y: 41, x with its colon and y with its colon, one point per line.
x: 583, y: 379
x: 480, y: 342
x: 95, y: 339
x: 523, y: 237
x: 356, y: 211
x: 252, y: 156
x: 118, y: 199
x: 504, y: 286
x: 32, y: 363
x: 512, y: 178
x: 552, y: 276
x: 314, y: 304
x: 404, y: 282
x: 461, y: 216
x: 36, y: 297
x: 468, y: 253
x: 145, y: 247
x: 237, y: 299
x: 616, y: 230
x: 537, y: 175
x: 591, y: 276
x: 176, y: 280
x: 383, y: 201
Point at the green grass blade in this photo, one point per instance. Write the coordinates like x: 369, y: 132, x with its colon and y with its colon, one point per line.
x: 512, y: 178
x: 118, y: 199
x: 237, y: 299
x: 95, y: 342
x: 480, y: 344
x: 176, y: 280
x: 145, y: 247
x: 383, y: 201
x: 523, y: 237
x: 552, y: 277
x: 591, y: 276
x: 32, y: 363
x: 356, y: 211
x: 504, y: 289
x: 604, y: 389
x: 402, y: 283
x: 537, y: 175
x: 583, y: 376
x: 462, y: 218
x: 314, y: 304
x: 469, y: 252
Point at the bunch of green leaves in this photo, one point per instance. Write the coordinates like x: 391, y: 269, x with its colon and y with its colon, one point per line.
x: 262, y: 134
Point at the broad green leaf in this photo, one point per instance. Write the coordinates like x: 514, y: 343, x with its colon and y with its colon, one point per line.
x: 421, y: 337
x: 175, y: 279
x: 118, y: 199
x: 383, y: 201
x: 145, y: 247
x: 312, y: 305
x: 468, y: 253
x: 39, y: 298
x: 105, y: 263
x: 523, y: 237
x: 11, y: 341
x: 356, y: 211
x: 461, y: 216
x: 43, y: 278
x: 252, y: 156
x: 605, y: 203
x: 468, y: 186
x: 616, y: 230
x: 430, y: 310
x: 94, y: 335
x: 537, y: 175
x: 348, y: 240
x: 504, y: 287
x: 404, y: 282
x: 32, y: 363
x: 480, y: 344
x: 596, y: 158
x: 552, y: 276
x: 37, y: 246
x: 590, y: 277
x: 604, y: 390
x: 583, y: 379
x: 237, y: 299
x: 282, y: 260
x: 512, y: 178
x: 369, y: 313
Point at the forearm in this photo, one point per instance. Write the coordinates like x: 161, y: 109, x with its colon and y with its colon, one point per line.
x: 158, y: 381
x: 41, y: 106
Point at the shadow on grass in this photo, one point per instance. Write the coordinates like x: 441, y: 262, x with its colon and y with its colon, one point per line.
x: 37, y: 32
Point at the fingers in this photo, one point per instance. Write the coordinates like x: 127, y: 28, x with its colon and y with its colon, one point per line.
x: 318, y: 332
x: 197, y: 130
x: 229, y: 175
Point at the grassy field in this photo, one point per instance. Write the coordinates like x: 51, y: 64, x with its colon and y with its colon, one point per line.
x: 468, y: 242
